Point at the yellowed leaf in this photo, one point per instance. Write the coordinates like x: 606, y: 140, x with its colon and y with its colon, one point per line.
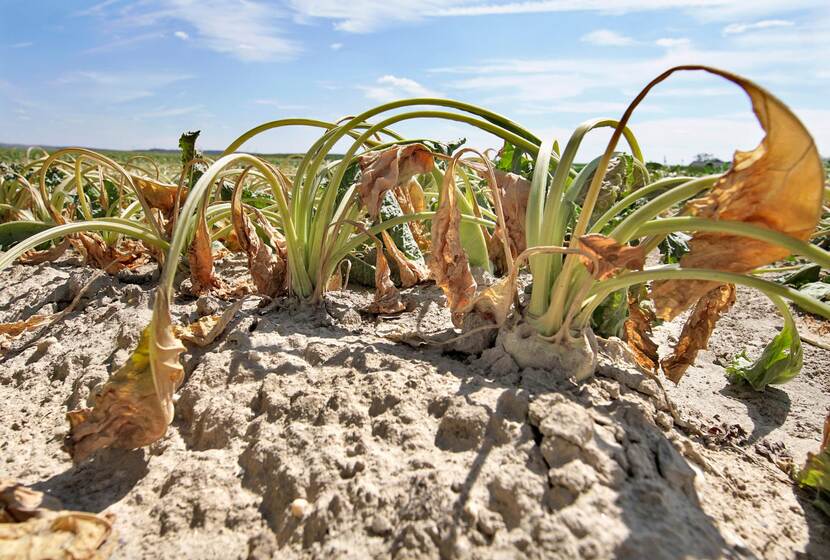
x: 448, y: 263
x: 605, y: 257
x: 135, y: 405
x: 387, y: 297
x: 699, y: 326
x: 207, y: 329
x: 383, y: 170
x: 411, y: 272
x: 161, y: 196
x: 33, y: 527
x: 778, y: 185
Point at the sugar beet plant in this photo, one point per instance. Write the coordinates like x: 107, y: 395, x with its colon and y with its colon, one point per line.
x: 582, y: 233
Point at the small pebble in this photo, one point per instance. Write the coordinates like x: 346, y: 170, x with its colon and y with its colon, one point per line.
x: 299, y: 508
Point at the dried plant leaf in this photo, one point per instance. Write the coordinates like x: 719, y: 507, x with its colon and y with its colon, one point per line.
x: 605, y: 257
x: 384, y: 170
x: 47, y: 255
x: 637, y: 334
x: 17, y: 328
x: 269, y: 270
x: 207, y: 329
x: 494, y: 302
x: 387, y: 297
x: 411, y: 272
x: 411, y: 200
x: 200, y: 257
x: 778, y: 185
x: 128, y: 254
x: 161, y: 196
x: 33, y: 527
x: 699, y: 326
x: 448, y: 263
x: 135, y: 405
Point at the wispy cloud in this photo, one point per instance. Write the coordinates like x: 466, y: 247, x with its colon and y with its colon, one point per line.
x: 118, y: 87
x: 336, y: 46
x: 737, y: 28
x: 22, y: 45
x: 673, y: 42
x: 167, y: 112
x: 389, y: 88
x: 280, y: 105
x: 607, y: 38
x: 364, y: 16
x: 246, y: 29
x: 181, y: 35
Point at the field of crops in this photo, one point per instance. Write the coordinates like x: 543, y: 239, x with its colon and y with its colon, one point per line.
x: 417, y: 348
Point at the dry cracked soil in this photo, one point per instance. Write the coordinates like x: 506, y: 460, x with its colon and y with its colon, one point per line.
x: 403, y: 450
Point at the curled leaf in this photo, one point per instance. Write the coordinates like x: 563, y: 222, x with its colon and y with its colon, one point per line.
x: 268, y: 269
x: 411, y: 200
x: 699, y: 326
x: 411, y: 271
x: 637, y: 334
x: 128, y: 254
x: 161, y: 196
x: 778, y: 185
x: 387, y: 297
x: 33, y: 527
x: 47, y: 255
x: 135, y: 405
x: 514, y: 190
x: 207, y: 329
x: 384, y: 170
x: 200, y: 257
x: 780, y: 361
x: 605, y: 257
x: 17, y: 328
x: 448, y: 263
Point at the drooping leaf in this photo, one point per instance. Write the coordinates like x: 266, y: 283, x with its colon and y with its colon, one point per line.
x: 402, y: 234
x: 411, y: 271
x: 780, y: 361
x: 448, y: 263
x: 46, y: 255
x: 128, y: 254
x: 699, y: 326
x: 135, y: 405
x: 268, y: 269
x: 34, y: 527
x: 12, y: 233
x: 161, y: 196
x: 637, y: 334
x: 386, y: 169
x: 605, y: 257
x: 200, y: 258
x: 673, y: 247
x: 387, y: 297
x: 779, y: 185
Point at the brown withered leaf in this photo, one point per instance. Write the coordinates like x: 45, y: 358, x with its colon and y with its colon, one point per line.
x: 411, y: 272
x: 386, y: 169
x: 778, y: 185
x: 161, y: 196
x: 607, y: 257
x: 494, y: 302
x: 200, y: 258
x: 387, y: 297
x: 135, y: 405
x: 411, y: 200
x: 128, y: 254
x: 33, y: 527
x: 269, y: 270
x: 637, y: 334
x: 47, y: 255
x: 699, y: 326
x: 448, y: 261
x: 17, y: 328
x: 207, y: 329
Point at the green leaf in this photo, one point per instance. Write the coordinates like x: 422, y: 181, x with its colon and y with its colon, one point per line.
x: 11, y: 233
x: 818, y: 290
x: 804, y: 275
x: 674, y: 246
x: 608, y: 319
x: 780, y: 361
x: 816, y: 475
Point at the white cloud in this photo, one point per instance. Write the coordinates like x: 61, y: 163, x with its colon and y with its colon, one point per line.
x: 389, y: 88
x: 181, y: 35
x: 737, y: 28
x: 606, y: 38
x: 673, y: 42
x: 364, y: 16
x: 117, y: 87
x: 245, y: 29
x: 280, y: 105
x: 167, y: 112
x: 336, y: 46
x: 22, y: 45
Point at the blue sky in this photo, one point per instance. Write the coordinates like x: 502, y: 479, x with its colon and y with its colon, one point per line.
x: 118, y: 74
